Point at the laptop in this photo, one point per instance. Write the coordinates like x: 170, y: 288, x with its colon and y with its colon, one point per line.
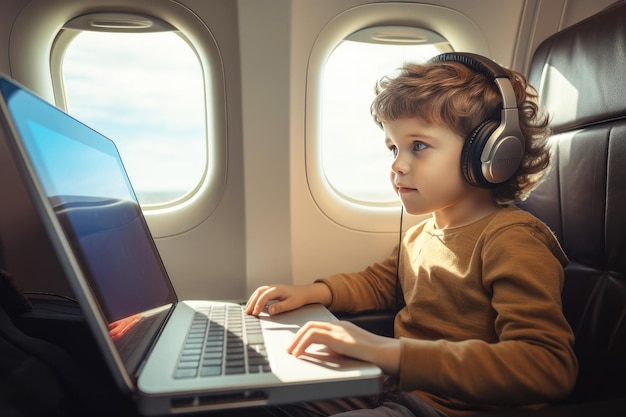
x: 152, y: 342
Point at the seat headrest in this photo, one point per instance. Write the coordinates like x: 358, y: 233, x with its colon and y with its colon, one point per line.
x: 581, y: 73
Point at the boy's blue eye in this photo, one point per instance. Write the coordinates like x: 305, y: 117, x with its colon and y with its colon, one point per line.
x: 419, y: 146
x: 394, y: 150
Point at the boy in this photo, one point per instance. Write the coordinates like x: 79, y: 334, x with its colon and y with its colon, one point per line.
x: 480, y: 325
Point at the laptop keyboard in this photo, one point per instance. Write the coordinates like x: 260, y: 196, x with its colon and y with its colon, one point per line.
x: 222, y: 340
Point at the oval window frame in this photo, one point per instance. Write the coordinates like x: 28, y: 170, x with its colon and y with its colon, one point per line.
x: 38, y: 21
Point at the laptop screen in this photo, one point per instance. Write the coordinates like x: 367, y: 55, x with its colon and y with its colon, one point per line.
x: 83, y: 179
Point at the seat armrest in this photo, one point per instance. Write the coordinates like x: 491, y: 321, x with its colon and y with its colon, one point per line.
x: 379, y: 322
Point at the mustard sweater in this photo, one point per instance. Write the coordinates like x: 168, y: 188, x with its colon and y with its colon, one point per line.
x: 482, y: 325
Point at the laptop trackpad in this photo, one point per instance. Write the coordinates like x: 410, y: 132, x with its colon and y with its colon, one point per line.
x: 299, y: 317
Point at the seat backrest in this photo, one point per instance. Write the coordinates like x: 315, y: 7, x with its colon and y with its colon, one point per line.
x: 580, y: 74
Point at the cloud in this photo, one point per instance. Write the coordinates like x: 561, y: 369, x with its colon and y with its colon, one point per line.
x: 354, y: 156
x: 146, y: 93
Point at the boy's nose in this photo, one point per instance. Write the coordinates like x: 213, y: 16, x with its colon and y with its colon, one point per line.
x: 399, y: 166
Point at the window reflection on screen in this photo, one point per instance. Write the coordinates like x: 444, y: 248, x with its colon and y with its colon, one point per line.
x: 95, y: 204
x: 72, y: 169
x: 80, y: 174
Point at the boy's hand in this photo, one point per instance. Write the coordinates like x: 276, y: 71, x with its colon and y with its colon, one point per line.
x: 350, y: 340
x: 287, y: 297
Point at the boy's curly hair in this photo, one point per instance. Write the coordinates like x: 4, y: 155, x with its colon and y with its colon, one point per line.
x: 453, y: 95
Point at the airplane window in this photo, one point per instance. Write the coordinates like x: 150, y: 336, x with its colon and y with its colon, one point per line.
x: 354, y: 158
x: 144, y: 91
x: 346, y: 162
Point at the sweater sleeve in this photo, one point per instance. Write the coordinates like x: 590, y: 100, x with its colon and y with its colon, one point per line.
x: 371, y: 289
x: 532, y: 361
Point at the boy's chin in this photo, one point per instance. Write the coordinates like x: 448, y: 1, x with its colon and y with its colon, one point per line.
x: 415, y: 211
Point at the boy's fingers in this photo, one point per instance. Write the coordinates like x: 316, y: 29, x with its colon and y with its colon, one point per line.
x: 253, y: 301
x: 310, y: 333
x: 282, y: 306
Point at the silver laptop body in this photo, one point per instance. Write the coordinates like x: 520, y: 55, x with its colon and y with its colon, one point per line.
x: 84, y: 198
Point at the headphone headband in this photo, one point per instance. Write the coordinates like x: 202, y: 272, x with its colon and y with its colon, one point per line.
x: 476, y: 62
x: 495, y: 149
x: 488, y: 68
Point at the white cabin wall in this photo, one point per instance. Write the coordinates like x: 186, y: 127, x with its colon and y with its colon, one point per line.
x: 264, y: 30
x: 542, y: 18
x: 208, y: 261
x: 267, y: 227
x: 9, y: 10
x: 577, y: 10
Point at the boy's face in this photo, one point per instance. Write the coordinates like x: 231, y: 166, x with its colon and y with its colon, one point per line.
x: 426, y: 170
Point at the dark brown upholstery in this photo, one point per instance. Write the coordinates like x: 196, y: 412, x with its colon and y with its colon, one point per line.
x: 581, y: 77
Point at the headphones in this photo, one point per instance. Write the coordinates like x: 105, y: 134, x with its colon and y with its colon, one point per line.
x: 493, y: 151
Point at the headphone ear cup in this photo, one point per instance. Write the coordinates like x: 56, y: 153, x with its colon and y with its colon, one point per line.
x: 471, y: 165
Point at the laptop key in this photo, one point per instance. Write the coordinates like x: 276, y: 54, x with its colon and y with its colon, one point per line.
x: 211, y: 370
x: 255, y: 339
x: 212, y: 362
x: 189, y: 365
x: 223, y: 341
x: 235, y: 370
x: 185, y: 373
